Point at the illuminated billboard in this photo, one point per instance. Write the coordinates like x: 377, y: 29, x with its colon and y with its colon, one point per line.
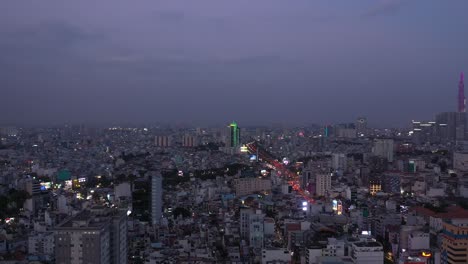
x: 68, y: 184
x: 244, y: 149
x: 45, y: 185
x: 337, y: 207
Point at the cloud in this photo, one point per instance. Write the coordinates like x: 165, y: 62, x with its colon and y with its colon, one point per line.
x: 58, y: 33
x: 48, y: 42
x: 384, y: 8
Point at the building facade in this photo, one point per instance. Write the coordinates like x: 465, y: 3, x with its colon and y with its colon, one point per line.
x: 246, y: 186
x: 367, y: 253
x: 95, y: 236
x: 454, y: 241
x: 234, y: 135
x: 383, y: 148
x: 323, y: 184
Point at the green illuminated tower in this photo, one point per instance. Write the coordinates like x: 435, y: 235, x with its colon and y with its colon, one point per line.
x: 234, y: 135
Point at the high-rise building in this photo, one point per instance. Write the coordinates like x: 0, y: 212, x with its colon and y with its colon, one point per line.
x: 424, y: 131
x: 323, y: 184
x: 339, y: 161
x: 244, y: 222
x: 361, y: 126
x: 455, y: 240
x: 189, y: 141
x: 156, y: 198
x: 234, y: 135
x: 451, y: 126
x: 252, y: 226
x: 95, y: 236
x: 306, y: 176
x: 391, y: 183
x: 162, y: 141
x: 256, y: 229
x: 461, y: 95
x: 383, y: 148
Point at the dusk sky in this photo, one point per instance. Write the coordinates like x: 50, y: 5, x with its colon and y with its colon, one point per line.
x: 211, y: 62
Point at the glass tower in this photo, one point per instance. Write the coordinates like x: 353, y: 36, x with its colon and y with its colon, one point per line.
x: 234, y: 135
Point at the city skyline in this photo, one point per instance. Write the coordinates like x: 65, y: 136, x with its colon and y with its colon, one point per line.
x: 210, y: 131
x: 307, y: 62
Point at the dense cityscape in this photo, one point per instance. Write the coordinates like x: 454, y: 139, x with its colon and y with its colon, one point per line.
x: 338, y: 193
x: 233, y: 132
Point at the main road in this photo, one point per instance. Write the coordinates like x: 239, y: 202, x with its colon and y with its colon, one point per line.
x: 291, y: 177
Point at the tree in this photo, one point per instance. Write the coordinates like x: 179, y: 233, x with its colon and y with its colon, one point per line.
x: 181, y: 211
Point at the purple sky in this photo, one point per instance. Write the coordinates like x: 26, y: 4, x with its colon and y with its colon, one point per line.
x: 209, y: 62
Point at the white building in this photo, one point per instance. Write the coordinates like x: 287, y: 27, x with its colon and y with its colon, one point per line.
x: 323, y: 184
x: 418, y: 240
x: 252, y: 227
x: 276, y: 256
x: 256, y: 231
x: 367, y: 252
x: 334, y: 248
x: 383, y: 148
x: 156, y: 198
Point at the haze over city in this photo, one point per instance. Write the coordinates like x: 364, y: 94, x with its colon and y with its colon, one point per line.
x: 205, y: 62
x: 233, y: 132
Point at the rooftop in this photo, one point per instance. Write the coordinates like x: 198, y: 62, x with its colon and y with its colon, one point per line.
x: 368, y: 244
x: 334, y: 260
x: 94, y: 219
x: 451, y: 212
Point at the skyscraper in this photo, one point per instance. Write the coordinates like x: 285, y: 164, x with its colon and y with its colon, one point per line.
x: 383, y: 148
x: 156, y: 198
x: 461, y: 95
x: 234, y: 135
x: 451, y: 125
